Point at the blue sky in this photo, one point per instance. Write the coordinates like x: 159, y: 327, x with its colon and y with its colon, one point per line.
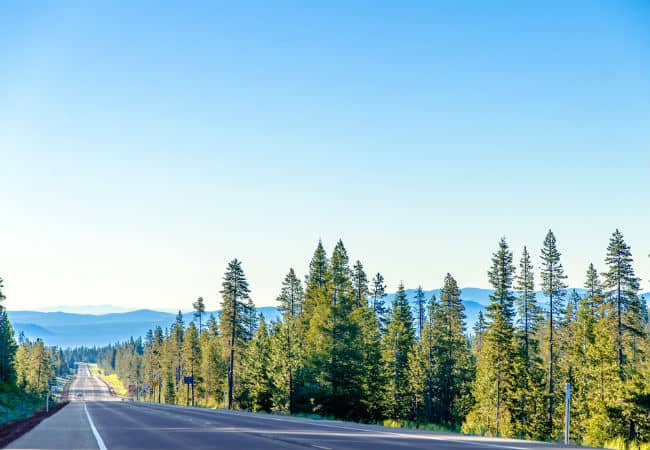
x: 142, y: 147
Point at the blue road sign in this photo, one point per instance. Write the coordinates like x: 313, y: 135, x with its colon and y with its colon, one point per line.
x: 188, y: 380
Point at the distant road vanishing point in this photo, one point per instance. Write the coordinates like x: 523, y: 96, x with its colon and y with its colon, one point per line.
x: 96, y: 419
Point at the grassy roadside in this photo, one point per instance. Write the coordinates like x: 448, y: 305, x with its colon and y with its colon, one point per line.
x: 112, y: 379
x: 16, y: 428
x: 17, y: 405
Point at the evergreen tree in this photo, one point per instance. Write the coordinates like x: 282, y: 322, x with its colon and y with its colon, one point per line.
x: 191, y: 357
x: 527, y: 307
x: 454, y: 369
x: 214, y: 367
x: 291, y: 296
x: 176, y: 347
x: 579, y: 337
x: 251, y: 319
x: 199, y: 310
x: 377, y: 293
x: 34, y: 367
x: 7, y: 346
x: 290, y: 303
x: 373, y: 377
x: 368, y: 342
x: 359, y: 283
x: 479, y: 329
x: 594, y: 289
x: 213, y: 326
x: 623, y: 286
x: 317, y: 280
x: 397, y: 344
x: 495, y: 384
x: 346, y: 358
x: 429, y: 343
x: 420, y: 305
x: 257, y: 384
x: 553, y: 286
x: 234, y: 331
x: 572, y: 306
x: 312, y: 382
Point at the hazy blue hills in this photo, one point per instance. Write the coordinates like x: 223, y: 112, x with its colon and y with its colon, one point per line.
x: 69, y: 329
x: 72, y: 329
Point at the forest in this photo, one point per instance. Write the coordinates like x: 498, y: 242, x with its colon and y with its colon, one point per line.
x: 27, y: 370
x: 340, y: 351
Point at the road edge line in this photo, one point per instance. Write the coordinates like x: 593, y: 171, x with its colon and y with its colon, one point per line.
x: 98, y: 438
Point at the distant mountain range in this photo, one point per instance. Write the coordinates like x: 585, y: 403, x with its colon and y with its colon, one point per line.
x: 65, y: 329
x: 70, y: 329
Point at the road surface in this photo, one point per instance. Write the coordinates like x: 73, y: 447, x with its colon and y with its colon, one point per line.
x: 85, y: 387
x: 95, y: 423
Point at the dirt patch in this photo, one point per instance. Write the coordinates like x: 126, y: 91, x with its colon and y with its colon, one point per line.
x: 13, y: 430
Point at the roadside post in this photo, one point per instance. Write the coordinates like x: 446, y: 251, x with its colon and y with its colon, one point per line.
x: 567, y: 413
x: 52, y: 389
x: 188, y: 381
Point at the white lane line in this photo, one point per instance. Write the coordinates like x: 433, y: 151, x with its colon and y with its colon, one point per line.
x: 469, y: 440
x: 319, y: 446
x: 100, y: 441
x: 391, y: 433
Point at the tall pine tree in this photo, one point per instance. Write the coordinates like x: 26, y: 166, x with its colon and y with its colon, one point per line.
x: 453, y: 372
x: 554, y: 287
x: 199, y: 310
x: 593, y: 288
x: 359, y: 283
x: 7, y: 345
x: 235, y: 296
x: 397, y: 344
x: 495, y: 383
x: 527, y: 302
x: 290, y: 303
x: 420, y: 307
x: 623, y: 287
x: 377, y: 294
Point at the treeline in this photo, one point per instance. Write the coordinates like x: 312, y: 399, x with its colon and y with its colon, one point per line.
x: 26, y: 366
x: 340, y: 351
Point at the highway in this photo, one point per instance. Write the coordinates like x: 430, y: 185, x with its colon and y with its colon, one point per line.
x: 93, y: 420
x: 85, y: 387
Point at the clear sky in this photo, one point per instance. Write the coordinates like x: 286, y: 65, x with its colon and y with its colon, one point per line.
x: 141, y: 148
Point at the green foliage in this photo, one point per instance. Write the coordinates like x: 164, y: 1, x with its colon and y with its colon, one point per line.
x: 623, y: 286
x: 236, y: 321
x: 338, y: 353
x: 334, y: 343
x: 495, y: 387
x: 16, y: 404
x: 7, y: 349
x: 377, y: 294
x: 7, y: 345
x: 199, y: 310
x: 527, y: 307
x: 554, y: 287
x: 257, y: 380
x: 397, y: 344
x: 291, y: 296
x: 34, y: 368
x: 452, y: 364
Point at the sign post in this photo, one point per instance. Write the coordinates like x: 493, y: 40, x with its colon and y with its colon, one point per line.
x: 567, y: 413
x: 188, y: 381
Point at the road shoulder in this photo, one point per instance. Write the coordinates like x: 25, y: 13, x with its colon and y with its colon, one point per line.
x: 68, y: 428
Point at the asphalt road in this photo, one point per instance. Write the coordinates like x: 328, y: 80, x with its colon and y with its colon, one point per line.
x: 129, y: 425
x: 85, y: 387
